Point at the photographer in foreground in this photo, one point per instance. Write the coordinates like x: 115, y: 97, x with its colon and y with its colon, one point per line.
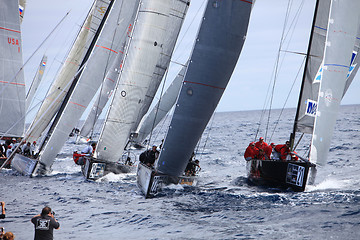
x: 44, y: 224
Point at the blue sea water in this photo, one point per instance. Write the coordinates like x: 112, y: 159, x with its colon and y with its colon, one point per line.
x: 223, y: 205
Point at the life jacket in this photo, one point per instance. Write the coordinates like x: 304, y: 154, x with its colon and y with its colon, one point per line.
x: 76, y: 157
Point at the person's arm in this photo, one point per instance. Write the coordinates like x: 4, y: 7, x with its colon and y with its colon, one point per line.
x: 55, y: 223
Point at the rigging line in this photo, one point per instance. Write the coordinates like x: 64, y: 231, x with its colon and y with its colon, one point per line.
x: 208, y: 135
x: 186, y: 31
x: 157, y: 107
x: 272, y: 75
x: 277, y: 65
x: 47, y: 37
x: 287, y: 98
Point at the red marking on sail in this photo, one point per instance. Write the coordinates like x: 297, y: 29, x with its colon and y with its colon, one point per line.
x: 107, y: 49
x: 78, y: 104
x: 205, y: 85
x: 110, y: 79
x: 246, y: 1
x: 11, y: 30
x: 21, y: 84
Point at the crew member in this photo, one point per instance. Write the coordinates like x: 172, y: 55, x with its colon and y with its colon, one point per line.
x: 250, y: 152
x: 269, y: 150
x: 88, y: 151
x: 261, y: 144
x: 148, y: 157
x: 283, y: 150
x: 44, y: 224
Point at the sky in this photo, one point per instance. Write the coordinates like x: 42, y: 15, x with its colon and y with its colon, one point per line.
x: 248, y: 87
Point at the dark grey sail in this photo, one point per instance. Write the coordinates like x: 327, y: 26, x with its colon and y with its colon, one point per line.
x: 215, y: 54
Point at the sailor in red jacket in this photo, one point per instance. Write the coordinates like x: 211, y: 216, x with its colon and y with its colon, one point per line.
x: 261, y: 144
x: 250, y: 151
x: 285, y: 152
x: 269, y: 149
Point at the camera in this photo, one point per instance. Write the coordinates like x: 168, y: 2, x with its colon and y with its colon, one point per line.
x: 53, y: 213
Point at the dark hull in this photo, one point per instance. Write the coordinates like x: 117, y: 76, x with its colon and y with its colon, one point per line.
x: 151, y: 182
x: 275, y: 173
x: 2, y: 161
x: 95, y: 168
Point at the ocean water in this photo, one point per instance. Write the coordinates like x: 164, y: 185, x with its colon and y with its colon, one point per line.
x: 223, y: 205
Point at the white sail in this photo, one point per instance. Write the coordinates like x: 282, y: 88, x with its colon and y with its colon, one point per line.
x: 112, y: 33
x: 61, y: 85
x: 159, y: 111
x: 35, y: 83
x: 314, y: 68
x: 144, y: 52
x: 106, y: 91
x: 177, y: 14
x: 340, y: 41
x: 12, y: 83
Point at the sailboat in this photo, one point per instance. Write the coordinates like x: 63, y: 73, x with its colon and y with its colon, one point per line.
x: 331, y: 64
x: 147, y: 59
x: 12, y: 83
x: 108, y: 38
x: 214, y: 57
x: 36, y: 82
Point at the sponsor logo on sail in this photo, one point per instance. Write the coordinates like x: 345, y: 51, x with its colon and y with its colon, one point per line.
x: 311, y: 107
x: 352, y: 65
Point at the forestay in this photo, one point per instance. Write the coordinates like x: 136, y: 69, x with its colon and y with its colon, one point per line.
x: 143, y: 54
x: 340, y: 41
x: 104, y: 51
x: 216, y: 51
x: 12, y: 83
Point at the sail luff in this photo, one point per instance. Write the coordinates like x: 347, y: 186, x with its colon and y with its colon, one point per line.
x: 142, y: 55
x: 12, y: 83
x: 292, y: 136
x: 217, y: 49
x: 340, y: 41
x: 312, y: 71
x: 36, y: 82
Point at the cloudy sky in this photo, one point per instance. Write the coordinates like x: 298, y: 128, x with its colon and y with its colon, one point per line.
x: 249, y: 84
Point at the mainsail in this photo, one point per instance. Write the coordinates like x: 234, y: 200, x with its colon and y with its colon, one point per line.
x: 340, y: 40
x: 314, y: 68
x: 143, y: 55
x: 215, y: 54
x: 162, y: 107
x: 60, y: 86
x: 35, y: 83
x: 102, y: 52
x: 177, y: 14
x: 12, y: 83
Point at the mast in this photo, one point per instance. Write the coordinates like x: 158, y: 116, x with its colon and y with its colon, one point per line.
x: 292, y: 135
x: 76, y: 78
